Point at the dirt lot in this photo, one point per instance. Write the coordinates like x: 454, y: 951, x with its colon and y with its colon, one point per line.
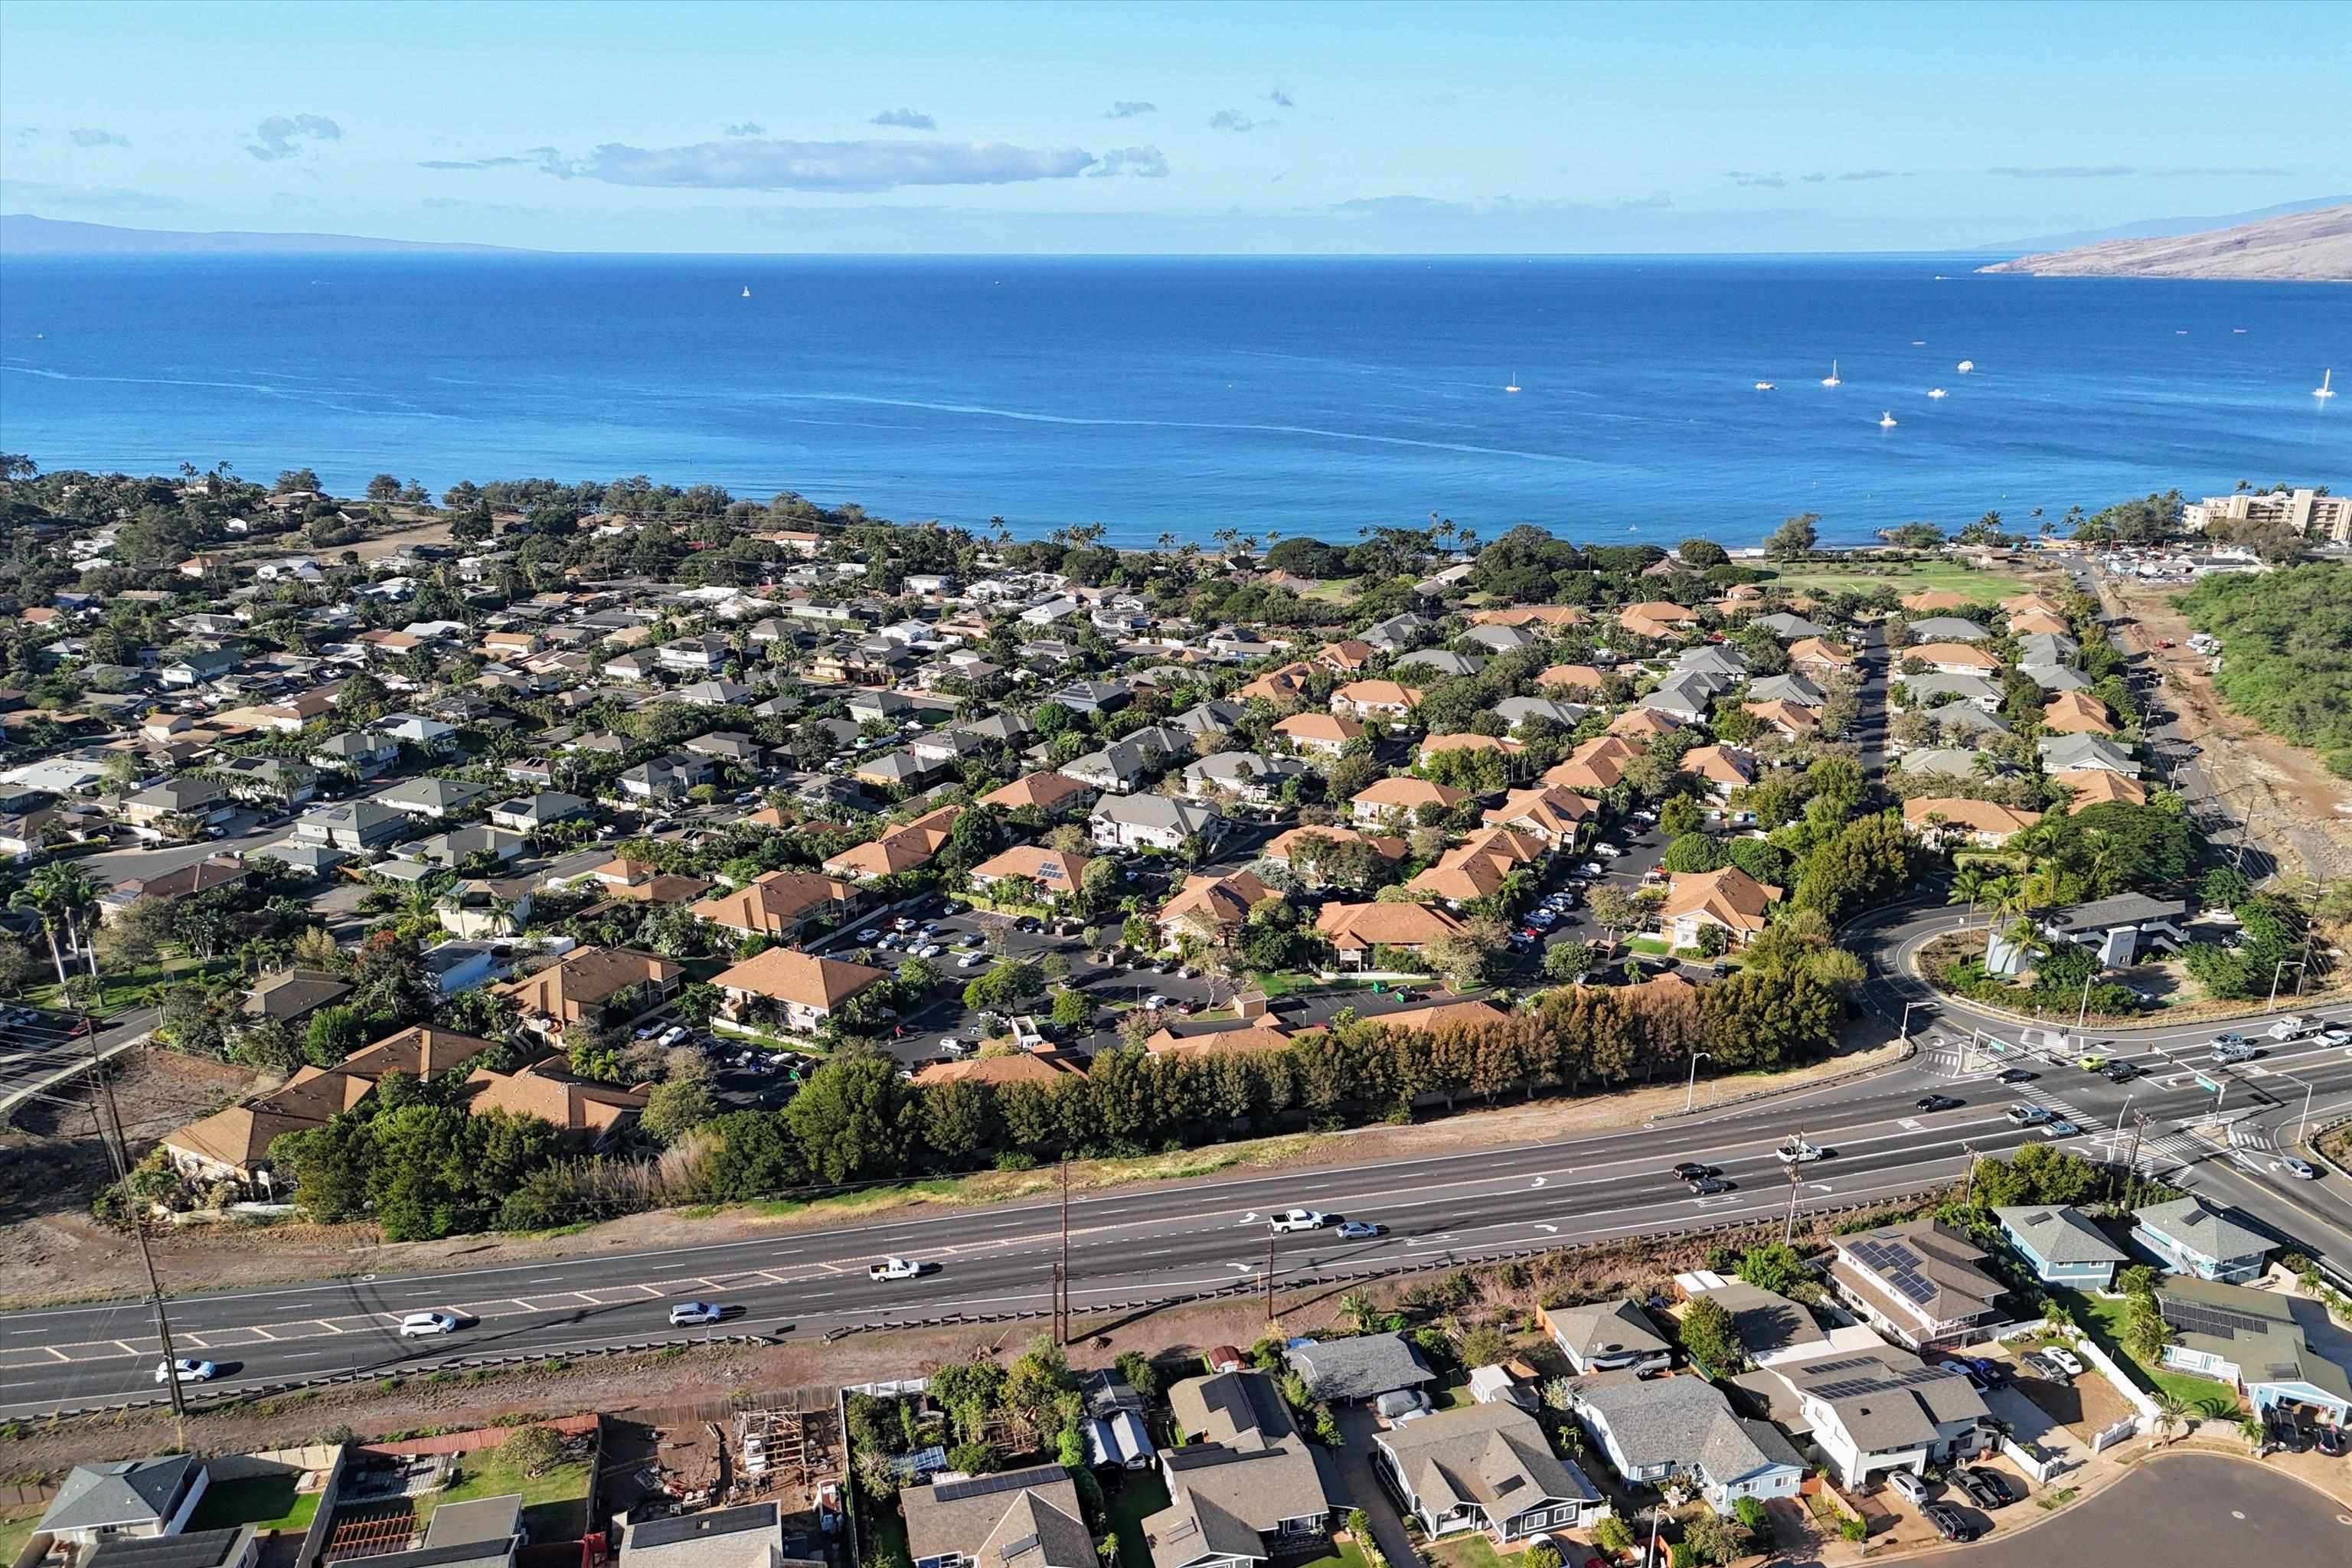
x: 50, y: 1252
x: 2293, y: 802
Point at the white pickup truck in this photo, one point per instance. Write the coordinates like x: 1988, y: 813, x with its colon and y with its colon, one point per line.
x: 1296, y: 1219
x: 894, y: 1269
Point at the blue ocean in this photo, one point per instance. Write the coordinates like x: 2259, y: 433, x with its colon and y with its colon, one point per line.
x: 1184, y: 396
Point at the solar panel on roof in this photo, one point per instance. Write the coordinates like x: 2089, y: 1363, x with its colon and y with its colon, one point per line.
x: 2219, y: 1321
x: 988, y: 1486
x: 1015, y: 1548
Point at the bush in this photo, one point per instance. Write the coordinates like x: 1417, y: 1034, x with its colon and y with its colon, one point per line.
x: 1613, y: 1535
x: 1854, y: 1529
x: 1750, y: 1512
x: 533, y: 1450
x: 1539, y: 1555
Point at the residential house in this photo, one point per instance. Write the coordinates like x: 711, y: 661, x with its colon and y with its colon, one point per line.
x: 233, y: 1144
x: 2075, y: 753
x: 1786, y: 626
x: 587, y: 982
x: 1877, y: 1411
x: 136, y: 1498
x: 1686, y: 698
x: 778, y: 904
x: 1442, y: 661
x: 749, y: 1535
x: 1285, y: 685
x: 667, y: 778
x: 1520, y: 712
x: 2077, y: 714
x: 1652, y: 1429
x: 237, y: 1546
x: 899, y: 770
x: 1356, y: 931
x: 1121, y: 766
x: 1722, y: 769
x: 1348, y: 656
x: 2194, y: 1238
x: 543, y: 808
x: 357, y: 753
x: 1359, y: 1370
x: 1245, y: 776
x: 1659, y: 620
x: 1327, y: 733
x: 1790, y: 720
x: 1946, y: 819
x: 1945, y: 630
x: 1153, y: 822
x: 2258, y: 1341
x: 1819, y: 657
x: 1397, y: 633
x: 1283, y: 848
x: 350, y: 825
x: 171, y: 886
x: 1920, y: 1283
x: 1054, y: 872
x: 800, y: 990
x: 1012, y: 1519
x: 1583, y: 678
x: 201, y: 801
x: 1385, y: 700
x: 634, y: 882
x: 2093, y: 786
x: 2060, y: 1245
x: 276, y: 782
x: 1499, y: 638
x: 1094, y: 696
x: 1953, y: 659
x: 1211, y: 907
x: 1486, y: 1468
x: 1245, y: 1488
x: 430, y: 796
x: 1728, y: 899
x: 1607, y: 1336
x: 486, y: 907
x: 1398, y: 797
x: 715, y: 693
x: 903, y: 848
x: 705, y: 653
x: 1055, y: 794
x: 1553, y: 812
x: 2118, y: 929
x: 428, y: 735
x: 584, y: 1112
x: 292, y: 995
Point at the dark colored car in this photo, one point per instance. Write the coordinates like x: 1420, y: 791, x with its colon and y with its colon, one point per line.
x: 1994, y: 1371
x: 2331, y: 1441
x: 1986, y: 1488
x: 1937, y: 1102
x: 1708, y: 1187
x: 1950, y: 1522
x: 1691, y: 1170
x: 2288, y: 1433
x: 2016, y: 1075
x: 2120, y: 1072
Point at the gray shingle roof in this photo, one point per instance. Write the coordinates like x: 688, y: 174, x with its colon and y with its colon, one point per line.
x: 1495, y: 1456
x: 1606, y: 1327
x: 1360, y: 1368
x: 2060, y: 1235
x: 2209, y: 1231
x: 126, y: 1491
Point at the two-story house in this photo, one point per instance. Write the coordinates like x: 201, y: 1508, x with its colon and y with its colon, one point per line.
x: 1486, y: 1468
x: 1245, y: 1488
x: 798, y: 990
x: 1154, y: 822
x: 667, y: 778
x: 2205, y: 1243
x: 1919, y: 1283
x: 357, y: 753
x: 2060, y: 1245
x: 1874, y: 1410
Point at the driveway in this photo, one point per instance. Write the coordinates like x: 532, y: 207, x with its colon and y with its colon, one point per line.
x: 1353, y: 1460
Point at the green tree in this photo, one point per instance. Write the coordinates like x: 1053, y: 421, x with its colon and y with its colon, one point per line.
x: 334, y: 1033
x: 1708, y: 1335
x: 850, y: 1119
x: 675, y: 1109
x: 1794, y: 538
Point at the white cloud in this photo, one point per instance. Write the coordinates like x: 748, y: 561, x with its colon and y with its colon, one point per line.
x: 749, y: 127
x: 2066, y: 171
x: 1127, y: 108
x: 1143, y: 163
x: 1233, y: 119
x: 1748, y: 177
x: 282, y: 136
x: 759, y: 164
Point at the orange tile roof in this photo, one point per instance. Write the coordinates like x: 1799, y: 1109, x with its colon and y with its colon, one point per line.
x: 2077, y: 714
x: 1378, y: 694
x: 1584, y: 677
x: 1730, y: 895
x: 2094, y: 786
x: 1354, y: 928
x: 1347, y: 653
x: 788, y: 974
x: 1020, y: 1066
x: 545, y: 1090
x: 1818, y: 650
x: 1045, y: 791
x: 1719, y: 764
x: 1526, y: 614
x: 1325, y: 729
x: 1053, y: 870
x: 1403, y: 794
x: 1277, y: 685
x: 1640, y: 722
x: 1953, y: 653
x: 576, y: 986
x: 1976, y: 815
x: 773, y: 904
x: 1551, y: 808
x: 1793, y: 718
x: 1284, y: 845
x: 1217, y: 903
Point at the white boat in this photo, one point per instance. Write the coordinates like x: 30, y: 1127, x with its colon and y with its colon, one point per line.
x: 747, y: 290
x: 2326, y: 387
x: 1967, y: 366
x: 1886, y: 419
x: 1763, y: 386
x: 1937, y: 392
x: 1831, y: 379
x: 1513, y: 384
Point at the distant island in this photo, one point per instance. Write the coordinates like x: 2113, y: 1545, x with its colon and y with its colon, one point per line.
x: 23, y: 234
x: 2298, y: 248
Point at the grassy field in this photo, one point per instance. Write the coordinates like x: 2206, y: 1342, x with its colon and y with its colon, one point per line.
x: 554, y: 1506
x: 1907, y: 577
x: 1347, y: 1555
x: 16, y: 1529
x: 1467, y: 1550
x: 2104, y: 1322
x: 122, y: 990
x: 1142, y: 1494
x: 265, y: 1502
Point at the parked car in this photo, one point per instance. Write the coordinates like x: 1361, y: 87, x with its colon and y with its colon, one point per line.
x: 1986, y: 1488
x: 421, y: 1325
x: 691, y: 1312
x: 1403, y: 1404
x: 2331, y: 1441
x: 894, y: 1269
x: 1592, y: 868
x: 1906, y: 1486
x: 1950, y: 1523
x: 2043, y: 1367
x: 2064, y: 1358
x: 1296, y: 1219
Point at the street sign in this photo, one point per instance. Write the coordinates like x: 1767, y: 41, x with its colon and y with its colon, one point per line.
x: 2206, y: 1082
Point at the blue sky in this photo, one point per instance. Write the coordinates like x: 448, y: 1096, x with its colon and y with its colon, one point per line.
x: 1168, y: 127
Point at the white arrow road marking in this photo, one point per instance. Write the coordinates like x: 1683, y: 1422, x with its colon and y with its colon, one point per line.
x: 1819, y: 1187
x: 1249, y: 1218
x: 1431, y: 1241
x: 1245, y: 1267
x: 1549, y: 1229
x: 1536, y: 1182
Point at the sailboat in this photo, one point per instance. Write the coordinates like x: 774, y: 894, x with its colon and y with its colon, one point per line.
x: 1937, y: 392
x: 2326, y: 387
x: 1763, y: 386
x: 747, y: 290
x: 1831, y: 379
x: 1513, y: 384
x: 1967, y: 366
x: 1886, y: 419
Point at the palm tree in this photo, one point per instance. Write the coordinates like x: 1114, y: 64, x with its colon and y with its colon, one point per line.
x: 1360, y: 1309
x: 60, y: 894
x: 2172, y: 1411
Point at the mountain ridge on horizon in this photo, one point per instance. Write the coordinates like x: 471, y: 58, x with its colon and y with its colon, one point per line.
x: 2312, y: 246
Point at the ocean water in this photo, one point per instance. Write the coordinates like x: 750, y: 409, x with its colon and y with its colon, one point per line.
x: 1182, y: 397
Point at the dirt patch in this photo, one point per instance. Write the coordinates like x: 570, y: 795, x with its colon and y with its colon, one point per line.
x: 376, y: 547
x: 2293, y: 804
x: 98, y: 1264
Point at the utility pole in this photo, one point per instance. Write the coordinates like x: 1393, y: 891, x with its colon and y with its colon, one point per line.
x: 1269, y: 1276
x: 1968, y: 1193
x: 118, y: 1154
x: 1796, y: 1175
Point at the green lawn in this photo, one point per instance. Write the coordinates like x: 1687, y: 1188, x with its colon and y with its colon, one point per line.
x: 1347, y: 1555
x: 554, y: 1506
x: 1452, y: 1399
x: 1142, y: 1494
x: 2104, y: 1322
x: 15, y: 1531
x: 121, y: 992
x: 1907, y: 577
x: 265, y: 1502
x: 1468, y: 1550
x: 1647, y: 944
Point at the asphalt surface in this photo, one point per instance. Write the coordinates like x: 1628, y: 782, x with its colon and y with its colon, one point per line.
x: 2182, y: 1511
x: 37, y: 1058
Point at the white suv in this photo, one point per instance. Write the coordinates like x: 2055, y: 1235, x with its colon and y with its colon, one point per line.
x: 1295, y: 1219
x: 419, y: 1324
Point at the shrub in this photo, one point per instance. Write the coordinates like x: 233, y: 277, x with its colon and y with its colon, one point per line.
x: 533, y: 1450
x: 1854, y: 1529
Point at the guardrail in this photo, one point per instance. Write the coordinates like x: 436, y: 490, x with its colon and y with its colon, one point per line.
x: 198, y: 1402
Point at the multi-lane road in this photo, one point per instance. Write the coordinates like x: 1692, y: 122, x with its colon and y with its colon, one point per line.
x: 1168, y: 1240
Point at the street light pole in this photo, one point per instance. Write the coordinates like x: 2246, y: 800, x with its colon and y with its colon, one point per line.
x: 1796, y: 1174
x: 1690, y: 1088
x: 2304, y: 1121
x: 2082, y: 1012
x: 2278, y: 969
x: 1902, y: 1031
